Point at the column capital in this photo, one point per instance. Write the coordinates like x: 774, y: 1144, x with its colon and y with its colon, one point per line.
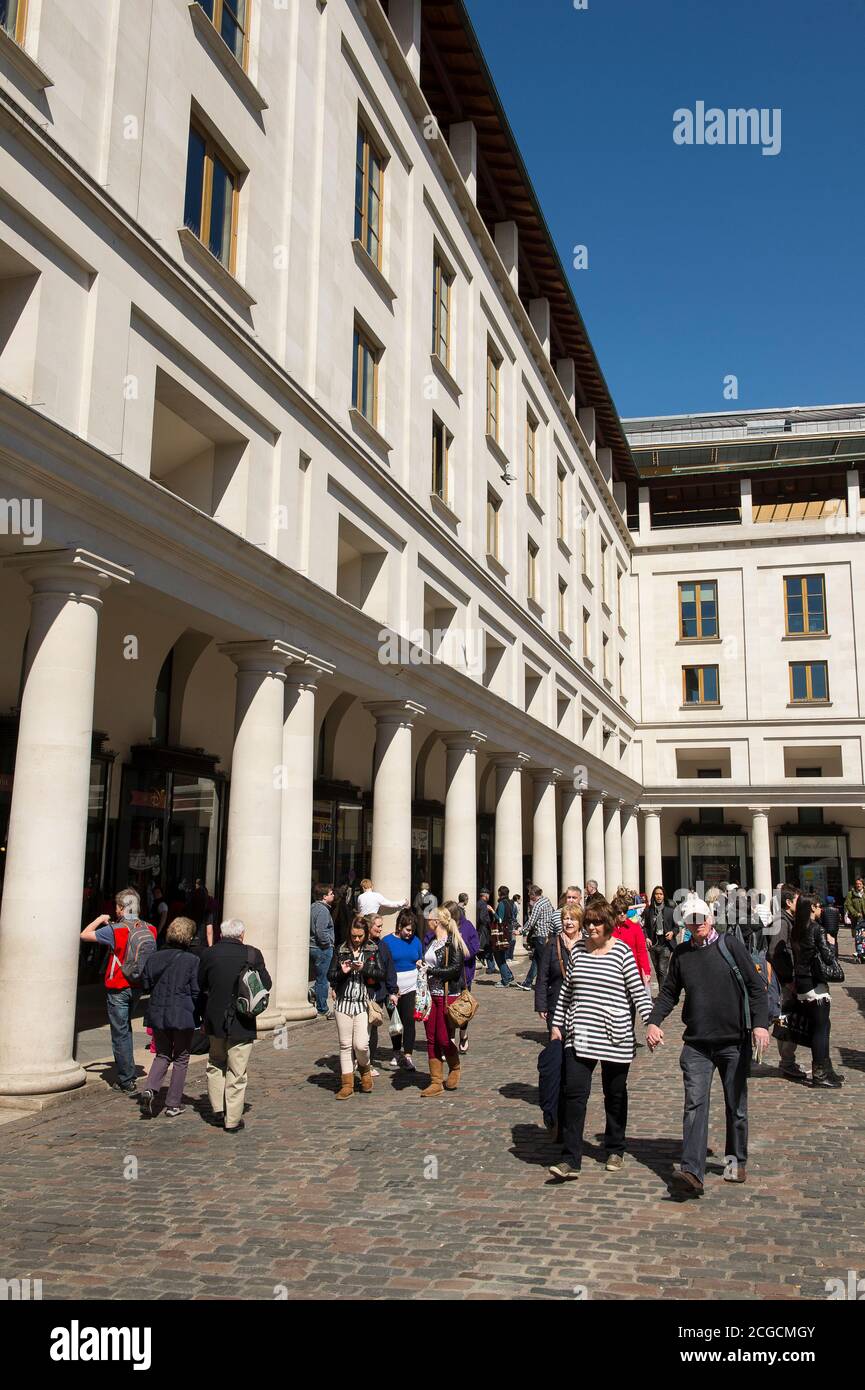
x: 650, y: 810
x: 394, y: 711
x: 759, y: 810
x: 511, y: 761
x: 263, y: 654
x: 306, y: 669
x: 72, y: 571
x: 470, y: 741
x: 546, y: 774
x: 592, y: 794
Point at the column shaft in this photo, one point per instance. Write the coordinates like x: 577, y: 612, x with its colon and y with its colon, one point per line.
x: 612, y: 847
x: 572, y: 838
x: 652, y: 850
x: 760, y: 851
x: 545, y: 866
x: 595, y: 863
x: 630, y: 848
x: 392, y: 798
x: 461, y: 819
x: 509, y: 827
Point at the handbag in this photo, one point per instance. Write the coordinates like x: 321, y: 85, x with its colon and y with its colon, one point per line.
x: 423, y: 998
x: 830, y: 970
x: 796, y: 1024
x: 374, y: 1012
x: 461, y: 1011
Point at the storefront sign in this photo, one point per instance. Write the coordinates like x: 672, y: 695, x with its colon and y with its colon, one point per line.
x: 812, y: 846
x: 712, y: 844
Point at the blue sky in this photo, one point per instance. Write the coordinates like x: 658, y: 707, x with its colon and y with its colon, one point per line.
x: 705, y: 260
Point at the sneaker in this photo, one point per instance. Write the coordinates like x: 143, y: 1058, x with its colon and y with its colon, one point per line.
x: 527, y: 988
x: 173, y: 1110
x: 738, y: 1174
x: 147, y: 1104
x: 686, y: 1184
x: 394, y: 1064
x: 124, y: 1090
x: 322, y: 1018
x: 564, y: 1172
x: 330, y: 1015
x: 408, y: 1064
x: 790, y: 1067
x: 615, y: 1163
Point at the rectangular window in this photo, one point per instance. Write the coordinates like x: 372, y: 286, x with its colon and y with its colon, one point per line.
x: 441, y: 446
x: 13, y: 18
x: 619, y: 608
x: 364, y: 379
x: 561, y: 502
x: 805, y: 604
x: 700, y: 685
x: 584, y: 540
x: 368, y: 195
x: 531, y: 455
x: 698, y: 609
x: 809, y: 682
x: 563, y: 606
x: 605, y: 596
x: 494, y: 370
x: 532, y: 583
x: 587, y: 634
x: 605, y: 645
x: 210, y: 209
x: 441, y: 326
x: 230, y: 18
x: 494, y: 505
x: 621, y: 677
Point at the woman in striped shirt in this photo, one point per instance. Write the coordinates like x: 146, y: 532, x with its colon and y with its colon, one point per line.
x: 594, y: 1018
x: 354, y: 972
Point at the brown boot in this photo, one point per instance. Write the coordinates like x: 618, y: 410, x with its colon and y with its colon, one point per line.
x: 366, y: 1077
x: 347, y: 1087
x: 453, y: 1061
x: 435, y: 1087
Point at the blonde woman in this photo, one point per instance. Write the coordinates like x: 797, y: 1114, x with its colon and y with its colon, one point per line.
x: 445, y: 961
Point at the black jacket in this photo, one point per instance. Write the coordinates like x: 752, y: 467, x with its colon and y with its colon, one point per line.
x: 172, y: 978
x: 667, y: 924
x: 371, y: 969
x: 809, y: 951
x: 449, y: 970
x: 713, y: 1012
x: 779, y: 953
x: 831, y: 920
x: 387, y: 980
x: 218, y: 970
x: 552, y: 968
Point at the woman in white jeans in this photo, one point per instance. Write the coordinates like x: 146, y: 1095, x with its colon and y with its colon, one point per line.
x: 354, y: 971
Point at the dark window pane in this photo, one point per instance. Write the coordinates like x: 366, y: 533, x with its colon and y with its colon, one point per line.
x: 8, y: 15
x: 231, y: 26
x: 692, y: 686
x: 800, y: 681
x: 194, y: 181
x: 355, y: 399
x: 710, y: 684
x: 220, y: 212
x: 819, y: 682
x: 207, y: 6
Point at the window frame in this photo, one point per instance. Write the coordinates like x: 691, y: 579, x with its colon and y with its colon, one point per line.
x: 533, y: 550
x: 605, y: 586
x: 807, y: 631
x: 561, y: 502
x: 584, y: 540
x: 494, y: 383
x: 214, y: 151
x: 810, y: 698
x: 219, y: 6
x: 443, y: 282
x: 370, y: 144
x: 532, y: 427
x: 693, y: 704
x: 361, y: 340
x: 697, y: 585
x: 563, y: 605
x: 494, y: 507
x: 20, y: 28
x: 447, y: 441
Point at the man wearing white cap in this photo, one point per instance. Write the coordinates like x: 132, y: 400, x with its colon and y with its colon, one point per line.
x: 725, y: 1012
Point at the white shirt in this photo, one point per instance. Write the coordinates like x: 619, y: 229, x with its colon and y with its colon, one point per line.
x: 373, y: 903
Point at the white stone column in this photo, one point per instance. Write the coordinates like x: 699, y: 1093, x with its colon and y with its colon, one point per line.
x: 630, y: 847
x: 40, y: 922
x: 593, y: 803
x: 652, y: 849
x: 545, y: 860
x: 760, y: 851
x: 295, y: 864
x: 572, y: 838
x: 509, y: 824
x: 461, y: 817
x: 392, y: 797
x: 252, y: 860
x: 612, y: 845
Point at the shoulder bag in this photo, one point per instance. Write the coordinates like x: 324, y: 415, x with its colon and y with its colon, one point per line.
x: 461, y: 1010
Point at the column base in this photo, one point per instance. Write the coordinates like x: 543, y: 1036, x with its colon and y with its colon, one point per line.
x: 42, y: 1083
x: 270, y: 1021
x: 297, y: 1013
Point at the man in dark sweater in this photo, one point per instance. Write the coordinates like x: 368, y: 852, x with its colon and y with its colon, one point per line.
x: 721, y: 1018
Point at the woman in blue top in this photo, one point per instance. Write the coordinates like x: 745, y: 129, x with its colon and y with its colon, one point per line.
x: 399, y: 954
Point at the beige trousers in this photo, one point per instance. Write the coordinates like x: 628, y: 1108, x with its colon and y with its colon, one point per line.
x: 226, y: 1078
x: 353, y: 1031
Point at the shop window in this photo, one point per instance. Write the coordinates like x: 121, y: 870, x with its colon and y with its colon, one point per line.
x: 212, y: 187
x: 805, y: 604
x: 809, y: 682
x: 698, y: 610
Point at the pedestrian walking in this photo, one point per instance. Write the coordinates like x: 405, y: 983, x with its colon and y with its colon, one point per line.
x: 230, y: 1033
x: 405, y: 951
x: 725, y: 1013
x: 380, y: 991
x: 831, y: 923
x: 780, y: 957
x: 854, y: 906
x: 552, y: 973
x: 538, y: 929
x: 130, y: 941
x: 483, y: 923
x: 572, y: 897
x: 594, y: 1021
x: 659, y: 927
x: 470, y: 937
x: 815, y: 966
x: 171, y: 976
x: 630, y: 931
x: 354, y: 970
x: 321, y: 943
x: 445, y: 959
x: 501, y: 936
x: 517, y: 906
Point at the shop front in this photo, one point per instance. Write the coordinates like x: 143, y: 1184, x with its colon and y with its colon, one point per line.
x: 341, y: 834
x: 712, y: 859
x: 815, y: 863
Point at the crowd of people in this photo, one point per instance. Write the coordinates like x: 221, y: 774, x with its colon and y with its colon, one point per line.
x: 736, y: 967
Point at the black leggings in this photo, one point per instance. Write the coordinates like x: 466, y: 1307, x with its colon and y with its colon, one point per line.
x: 820, y: 1037
x: 404, y: 1042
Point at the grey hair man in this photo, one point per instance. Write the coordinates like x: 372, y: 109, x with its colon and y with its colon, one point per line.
x: 725, y: 1013
x: 230, y: 1034
x: 130, y: 941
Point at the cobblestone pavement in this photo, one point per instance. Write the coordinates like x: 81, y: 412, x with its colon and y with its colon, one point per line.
x: 316, y: 1199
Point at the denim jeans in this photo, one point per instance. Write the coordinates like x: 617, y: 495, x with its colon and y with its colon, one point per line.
x: 501, y: 959
x: 121, y: 1003
x: 321, y: 959
x: 699, y: 1063
x: 537, y: 951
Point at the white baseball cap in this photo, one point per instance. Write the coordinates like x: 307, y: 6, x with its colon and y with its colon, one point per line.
x: 695, y: 907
